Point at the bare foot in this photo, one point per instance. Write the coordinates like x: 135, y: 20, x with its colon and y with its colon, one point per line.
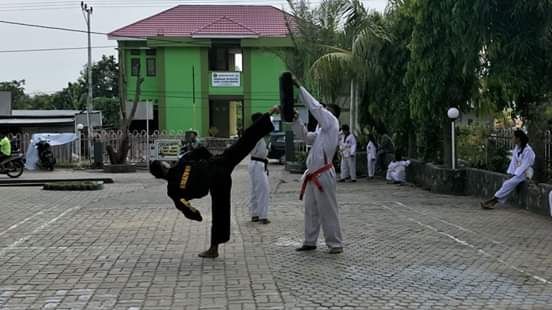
x: 211, y: 253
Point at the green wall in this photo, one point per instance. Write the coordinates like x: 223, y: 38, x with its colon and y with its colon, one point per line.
x: 173, y: 89
x: 266, y: 68
x: 150, y: 87
x: 183, y: 104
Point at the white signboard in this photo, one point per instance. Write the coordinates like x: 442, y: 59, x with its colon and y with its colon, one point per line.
x: 165, y: 149
x: 225, y: 79
x: 144, y: 110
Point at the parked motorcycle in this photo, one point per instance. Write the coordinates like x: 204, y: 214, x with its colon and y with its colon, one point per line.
x: 13, y: 166
x: 46, y: 158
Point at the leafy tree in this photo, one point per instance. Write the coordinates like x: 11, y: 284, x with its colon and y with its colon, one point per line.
x: 105, y: 78
x: 20, y: 100
x: 110, y: 111
x: 442, y: 71
x: 518, y: 71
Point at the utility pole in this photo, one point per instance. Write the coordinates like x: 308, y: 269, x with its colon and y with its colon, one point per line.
x: 86, y: 12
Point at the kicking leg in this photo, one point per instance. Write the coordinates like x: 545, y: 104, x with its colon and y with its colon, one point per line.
x: 233, y: 155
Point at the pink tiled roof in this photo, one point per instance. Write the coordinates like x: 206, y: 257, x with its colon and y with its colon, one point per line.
x: 224, y: 26
x: 211, y: 20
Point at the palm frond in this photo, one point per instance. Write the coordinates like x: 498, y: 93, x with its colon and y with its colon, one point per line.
x: 333, y: 63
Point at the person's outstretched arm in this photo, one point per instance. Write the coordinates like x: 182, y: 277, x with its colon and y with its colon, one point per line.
x: 186, y: 208
x: 301, y: 132
x: 324, y: 117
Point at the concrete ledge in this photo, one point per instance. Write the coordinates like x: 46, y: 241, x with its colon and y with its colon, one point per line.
x: 41, y: 182
x: 437, y: 179
x: 479, y: 183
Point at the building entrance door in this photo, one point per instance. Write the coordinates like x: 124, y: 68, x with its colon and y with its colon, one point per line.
x: 225, y: 117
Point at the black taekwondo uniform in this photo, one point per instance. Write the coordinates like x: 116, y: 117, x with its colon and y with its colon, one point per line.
x: 199, y: 173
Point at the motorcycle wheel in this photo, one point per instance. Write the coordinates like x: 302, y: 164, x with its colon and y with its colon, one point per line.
x: 14, y: 169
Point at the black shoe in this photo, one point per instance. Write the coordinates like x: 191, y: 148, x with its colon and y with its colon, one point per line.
x: 353, y: 181
x: 306, y: 248
x: 341, y: 180
x: 255, y: 219
x: 265, y: 221
x: 335, y: 251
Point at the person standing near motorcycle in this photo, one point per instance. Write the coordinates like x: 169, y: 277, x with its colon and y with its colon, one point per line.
x: 5, y: 147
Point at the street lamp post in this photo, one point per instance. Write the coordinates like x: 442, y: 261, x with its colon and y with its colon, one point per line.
x: 87, y: 11
x: 80, y: 127
x: 453, y: 114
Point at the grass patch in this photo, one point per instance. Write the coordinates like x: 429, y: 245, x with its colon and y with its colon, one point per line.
x: 74, y: 186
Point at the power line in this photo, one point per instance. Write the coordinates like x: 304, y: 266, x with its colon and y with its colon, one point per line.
x: 95, y: 33
x: 49, y: 27
x: 57, y: 6
x: 124, y: 2
x: 54, y: 49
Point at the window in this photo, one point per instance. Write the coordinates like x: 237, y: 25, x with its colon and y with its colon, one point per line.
x: 151, y: 52
x: 225, y: 59
x: 134, y: 52
x: 134, y: 66
x: 151, y: 69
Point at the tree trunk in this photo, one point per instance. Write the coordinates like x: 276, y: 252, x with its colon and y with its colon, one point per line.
x: 119, y: 157
x: 536, y: 128
x: 412, y: 145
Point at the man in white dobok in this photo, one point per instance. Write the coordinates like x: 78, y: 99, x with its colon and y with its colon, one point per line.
x: 347, y: 147
x: 319, y: 181
x: 258, y: 171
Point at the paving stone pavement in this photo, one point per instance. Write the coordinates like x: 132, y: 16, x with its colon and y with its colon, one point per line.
x: 126, y: 247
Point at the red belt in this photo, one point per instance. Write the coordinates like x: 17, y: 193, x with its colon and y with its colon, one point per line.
x: 314, y: 178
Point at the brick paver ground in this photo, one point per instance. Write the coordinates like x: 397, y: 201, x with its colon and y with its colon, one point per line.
x: 126, y: 247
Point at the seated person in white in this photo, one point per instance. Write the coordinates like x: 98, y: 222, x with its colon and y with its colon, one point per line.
x: 520, y: 169
x: 396, y: 171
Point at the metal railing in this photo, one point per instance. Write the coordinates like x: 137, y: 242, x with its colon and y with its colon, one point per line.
x: 77, y: 151
x: 503, y: 138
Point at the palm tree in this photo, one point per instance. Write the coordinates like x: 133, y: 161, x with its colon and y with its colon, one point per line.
x: 354, y: 60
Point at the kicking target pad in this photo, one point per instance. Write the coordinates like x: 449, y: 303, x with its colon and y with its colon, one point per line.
x: 286, y: 97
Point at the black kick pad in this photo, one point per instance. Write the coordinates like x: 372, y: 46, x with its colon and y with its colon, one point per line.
x: 286, y: 97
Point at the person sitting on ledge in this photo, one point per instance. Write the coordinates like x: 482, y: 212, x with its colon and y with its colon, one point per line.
x: 396, y: 171
x: 520, y: 169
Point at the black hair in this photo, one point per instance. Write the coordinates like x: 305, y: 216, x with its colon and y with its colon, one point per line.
x: 398, y: 155
x: 371, y: 138
x: 345, y: 127
x: 256, y: 116
x: 156, y: 169
x: 335, y: 109
x: 523, y: 138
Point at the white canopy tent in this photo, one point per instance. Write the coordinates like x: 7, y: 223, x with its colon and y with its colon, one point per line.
x: 52, y: 138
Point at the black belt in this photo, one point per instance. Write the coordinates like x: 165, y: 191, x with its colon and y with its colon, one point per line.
x: 262, y: 160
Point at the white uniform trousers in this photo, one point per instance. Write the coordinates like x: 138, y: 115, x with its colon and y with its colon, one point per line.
x: 550, y: 202
x: 371, y: 164
x: 348, y: 168
x: 258, y: 204
x: 508, y: 187
x: 321, y: 211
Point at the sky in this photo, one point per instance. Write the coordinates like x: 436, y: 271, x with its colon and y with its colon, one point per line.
x: 48, y: 72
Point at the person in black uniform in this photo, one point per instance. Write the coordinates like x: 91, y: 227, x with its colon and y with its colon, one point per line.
x: 199, y: 172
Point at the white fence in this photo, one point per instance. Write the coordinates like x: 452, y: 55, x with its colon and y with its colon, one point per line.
x: 70, y: 153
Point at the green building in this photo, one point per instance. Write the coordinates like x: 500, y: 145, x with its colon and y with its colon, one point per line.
x: 206, y: 67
